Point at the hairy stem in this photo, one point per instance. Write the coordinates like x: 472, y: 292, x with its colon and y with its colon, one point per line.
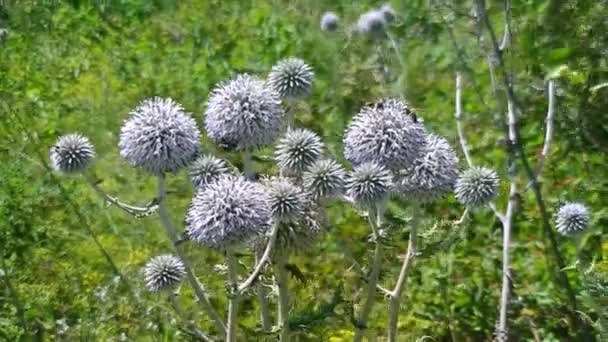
x: 375, y: 220
x: 283, y: 313
x: 262, y: 262
x: 234, y: 297
x: 395, y: 295
x: 199, y: 290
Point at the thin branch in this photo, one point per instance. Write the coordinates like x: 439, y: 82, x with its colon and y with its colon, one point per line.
x: 129, y: 209
x: 458, y: 116
x: 262, y: 262
x: 549, y: 128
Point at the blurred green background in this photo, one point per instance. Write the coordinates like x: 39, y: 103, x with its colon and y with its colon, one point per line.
x: 75, y: 67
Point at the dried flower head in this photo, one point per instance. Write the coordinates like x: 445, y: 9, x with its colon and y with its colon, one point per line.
x: 388, y: 12
x: 371, y: 23
x: 243, y: 114
x: 163, y: 272
x: 324, y: 179
x: 368, y: 184
x: 572, y: 218
x: 297, y: 150
x: 386, y: 133
x: 287, y: 200
x: 330, y: 22
x: 159, y: 137
x: 72, y: 153
x: 228, y: 212
x: 291, y: 78
x: 433, y: 173
x: 476, y: 186
x: 207, y: 169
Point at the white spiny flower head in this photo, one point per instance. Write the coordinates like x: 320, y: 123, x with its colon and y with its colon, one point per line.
x: 572, y: 218
x: 72, y: 153
x: 330, y: 22
x: 368, y: 184
x: 476, y: 187
x: 287, y: 200
x: 291, y: 78
x: 388, y: 12
x: 228, y: 212
x: 433, y: 173
x: 207, y: 169
x: 297, y: 150
x: 163, y: 272
x: 243, y: 114
x: 371, y: 23
x: 159, y: 137
x: 324, y: 179
x: 386, y: 132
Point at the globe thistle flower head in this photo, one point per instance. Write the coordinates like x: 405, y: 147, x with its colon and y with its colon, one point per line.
x: 159, y: 137
x: 163, y: 272
x: 207, y: 169
x: 324, y: 179
x: 432, y: 174
x: 72, y: 153
x: 386, y: 133
x: 297, y: 150
x: 287, y: 200
x: 388, y: 12
x: 368, y: 184
x: 572, y: 218
x: 330, y: 22
x: 371, y: 23
x: 243, y: 114
x: 291, y: 78
x: 476, y: 187
x: 228, y: 212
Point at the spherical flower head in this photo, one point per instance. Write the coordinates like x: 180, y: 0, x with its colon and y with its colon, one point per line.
x: 432, y: 174
x: 388, y: 12
x: 159, y: 137
x: 72, y: 153
x: 163, y: 272
x: 476, y: 187
x: 572, y: 218
x: 368, y: 184
x: 287, y: 200
x: 385, y: 133
x: 330, y: 22
x: 324, y: 179
x: 243, y: 114
x: 291, y: 78
x: 228, y: 212
x: 297, y: 150
x: 207, y: 169
x: 371, y: 23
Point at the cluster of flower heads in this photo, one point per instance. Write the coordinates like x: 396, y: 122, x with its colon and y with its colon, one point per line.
x: 72, y: 153
x: 371, y: 23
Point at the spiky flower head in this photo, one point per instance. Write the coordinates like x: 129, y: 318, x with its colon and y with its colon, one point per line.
x: 324, y: 179
x: 243, y: 114
x: 72, y: 153
x: 368, y: 183
x: 330, y: 22
x: 291, y: 78
x: 287, y: 200
x: 476, y: 186
x: 159, y: 137
x: 371, y: 23
x: 572, y: 218
x: 432, y: 174
x: 207, y: 169
x: 386, y: 133
x: 163, y: 272
x: 388, y: 12
x: 297, y: 150
x: 228, y: 212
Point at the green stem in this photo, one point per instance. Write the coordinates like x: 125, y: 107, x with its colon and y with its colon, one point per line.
x: 234, y: 297
x: 283, y: 316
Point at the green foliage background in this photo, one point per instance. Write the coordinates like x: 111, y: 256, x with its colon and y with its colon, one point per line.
x: 75, y: 67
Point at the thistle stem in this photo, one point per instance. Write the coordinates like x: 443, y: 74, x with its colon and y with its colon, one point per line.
x: 199, y: 290
x: 234, y: 297
x: 283, y: 313
x: 375, y: 220
x: 260, y: 265
x: 395, y: 295
x: 262, y: 293
x: 129, y: 209
x: 247, y: 165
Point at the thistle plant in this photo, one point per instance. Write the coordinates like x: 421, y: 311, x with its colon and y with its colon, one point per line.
x: 476, y: 187
x: 572, y: 219
x: 72, y: 153
x: 330, y: 22
x: 291, y: 78
x: 371, y: 23
x: 163, y: 272
x: 297, y: 150
x: 208, y: 169
x: 324, y: 179
x: 369, y: 184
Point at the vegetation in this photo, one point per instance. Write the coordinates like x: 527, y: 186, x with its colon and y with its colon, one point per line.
x: 72, y: 264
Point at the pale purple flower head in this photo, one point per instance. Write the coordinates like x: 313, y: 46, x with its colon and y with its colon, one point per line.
x: 572, y: 218
x: 371, y: 23
x: 159, y: 137
x: 291, y: 78
x: 330, y: 22
x: 72, y: 153
x: 297, y: 150
x: 163, y: 272
x: 388, y: 12
x: 368, y: 184
x: 243, y: 114
x: 207, y: 169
